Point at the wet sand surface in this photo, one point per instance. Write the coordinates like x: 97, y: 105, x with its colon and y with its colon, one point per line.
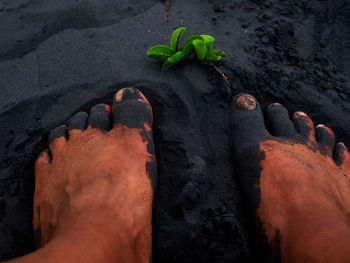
x: 60, y: 57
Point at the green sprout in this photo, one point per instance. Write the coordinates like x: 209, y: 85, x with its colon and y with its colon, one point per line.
x: 199, y: 46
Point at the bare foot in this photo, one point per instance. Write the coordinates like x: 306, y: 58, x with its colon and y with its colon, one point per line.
x: 295, y: 181
x: 93, y: 189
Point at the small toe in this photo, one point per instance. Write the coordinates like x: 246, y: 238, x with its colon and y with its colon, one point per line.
x: 59, y: 132
x: 100, y: 117
x: 42, y: 166
x: 131, y: 108
x: 57, y: 138
x: 341, y: 154
x: 304, y: 125
x: 247, y: 120
x: 325, y: 138
x: 78, y: 121
x: 278, y: 121
x: 42, y: 163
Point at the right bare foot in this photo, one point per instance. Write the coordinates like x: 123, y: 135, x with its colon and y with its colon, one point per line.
x: 93, y: 189
x: 294, y: 180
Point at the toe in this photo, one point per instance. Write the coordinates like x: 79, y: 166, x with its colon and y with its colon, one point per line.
x: 100, y: 117
x: 247, y: 120
x: 42, y: 162
x: 42, y: 165
x: 248, y: 131
x: 59, y: 132
x: 57, y: 138
x: 131, y: 108
x: 278, y: 121
x: 78, y: 121
x: 326, y: 139
x: 304, y: 125
x: 341, y: 154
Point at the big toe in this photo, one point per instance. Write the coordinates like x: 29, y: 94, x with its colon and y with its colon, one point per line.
x: 131, y: 108
x: 248, y: 130
x: 247, y: 121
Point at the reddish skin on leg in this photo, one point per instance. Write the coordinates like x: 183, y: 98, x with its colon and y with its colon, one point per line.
x: 304, y: 191
x: 94, y: 195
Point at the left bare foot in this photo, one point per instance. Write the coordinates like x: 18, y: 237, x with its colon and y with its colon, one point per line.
x: 93, y: 189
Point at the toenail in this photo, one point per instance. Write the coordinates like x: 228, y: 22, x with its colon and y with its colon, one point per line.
x: 246, y: 102
x: 101, y: 106
x: 341, y: 144
x: 120, y: 94
x: 274, y: 105
x: 300, y: 113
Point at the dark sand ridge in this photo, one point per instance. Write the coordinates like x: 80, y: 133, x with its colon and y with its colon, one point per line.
x: 59, y: 57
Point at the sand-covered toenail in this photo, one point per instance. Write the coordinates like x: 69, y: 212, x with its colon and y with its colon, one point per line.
x: 325, y: 138
x: 101, y: 106
x: 128, y: 94
x: 304, y: 125
x: 341, y: 144
x: 274, y: 105
x: 326, y: 130
x: 245, y: 102
x: 119, y: 95
x: 341, y: 147
x: 100, y: 117
x: 300, y: 113
x: 341, y: 153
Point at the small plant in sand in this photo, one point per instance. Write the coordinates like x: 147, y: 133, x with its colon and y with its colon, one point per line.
x: 196, y: 46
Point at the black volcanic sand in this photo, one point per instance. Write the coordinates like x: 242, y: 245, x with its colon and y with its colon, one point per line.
x: 60, y: 57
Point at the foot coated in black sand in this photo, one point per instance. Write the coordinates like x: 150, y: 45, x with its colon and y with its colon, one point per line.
x: 283, y: 169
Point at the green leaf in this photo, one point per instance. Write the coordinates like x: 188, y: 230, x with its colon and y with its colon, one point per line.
x: 200, y: 48
x: 212, y: 57
x: 218, y: 52
x: 187, y: 48
x: 209, y: 49
x: 187, y: 51
x: 190, y: 40
x: 201, y: 45
x: 207, y: 39
x: 215, y: 55
x: 176, y: 38
x: 178, y: 56
x: 160, y: 52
